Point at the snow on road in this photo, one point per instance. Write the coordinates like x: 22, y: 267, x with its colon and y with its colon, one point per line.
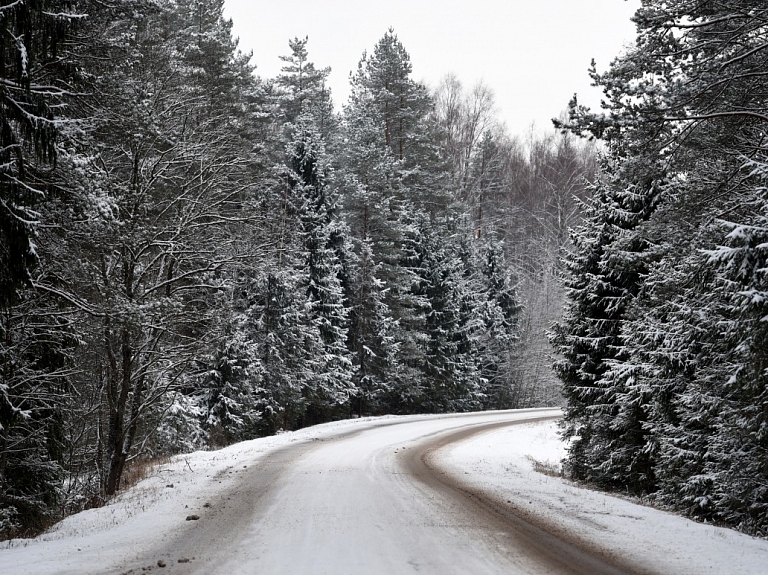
x: 500, y: 464
x: 338, y: 498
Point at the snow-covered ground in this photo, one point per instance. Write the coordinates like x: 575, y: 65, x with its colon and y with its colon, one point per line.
x: 498, y: 462
x: 96, y: 540
x: 501, y: 463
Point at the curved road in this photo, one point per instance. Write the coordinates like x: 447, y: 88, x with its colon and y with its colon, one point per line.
x: 370, y: 501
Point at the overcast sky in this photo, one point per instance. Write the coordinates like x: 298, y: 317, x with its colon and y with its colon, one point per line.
x: 533, y: 54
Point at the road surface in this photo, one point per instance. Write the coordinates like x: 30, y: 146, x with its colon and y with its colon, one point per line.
x: 368, y: 501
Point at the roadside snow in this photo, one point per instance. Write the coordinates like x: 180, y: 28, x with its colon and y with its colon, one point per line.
x: 497, y: 462
x: 501, y: 462
x: 96, y: 540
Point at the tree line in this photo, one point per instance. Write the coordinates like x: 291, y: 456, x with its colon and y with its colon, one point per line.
x: 192, y: 255
x: 665, y: 339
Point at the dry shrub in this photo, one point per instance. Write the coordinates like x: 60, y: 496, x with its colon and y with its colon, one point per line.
x: 140, y: 468
x: 546, y: 467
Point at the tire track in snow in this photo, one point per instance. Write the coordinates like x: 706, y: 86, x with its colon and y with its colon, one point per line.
x: 551, y: 546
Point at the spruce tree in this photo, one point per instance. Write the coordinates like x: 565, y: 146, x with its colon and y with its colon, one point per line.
x: 324, y: 293
x: 448, y: 368
x: 739, y: 445
x: 684, y: 126
x: 605, y: 274
x: 230, y: 394
x: 376, y: 375
x: 287, y: 345
x: 500, y: 315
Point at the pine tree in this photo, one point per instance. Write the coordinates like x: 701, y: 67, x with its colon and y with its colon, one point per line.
x: 398, y: 101
x: 304, y: 90
x: 389, y: 111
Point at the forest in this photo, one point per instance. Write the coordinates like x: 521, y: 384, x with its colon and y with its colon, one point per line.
x: 192, y: 255
x: 664, y: 343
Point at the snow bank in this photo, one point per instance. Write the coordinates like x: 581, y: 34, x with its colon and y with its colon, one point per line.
x: 96, y: 540
x: 502, y: 463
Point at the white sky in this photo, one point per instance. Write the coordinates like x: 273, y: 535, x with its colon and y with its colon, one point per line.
x: 533, y: 54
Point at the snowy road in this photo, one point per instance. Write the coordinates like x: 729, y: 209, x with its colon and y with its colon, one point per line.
x: 365, y: 502
x: 433, y: 494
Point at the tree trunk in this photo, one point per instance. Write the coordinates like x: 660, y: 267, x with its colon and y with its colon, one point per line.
x: 116, y: 436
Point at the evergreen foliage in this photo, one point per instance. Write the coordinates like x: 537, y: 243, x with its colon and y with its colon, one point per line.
x: 498, y: 334
x: 663, y: 342
x: 221, y: 256
x: 38, y: 65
